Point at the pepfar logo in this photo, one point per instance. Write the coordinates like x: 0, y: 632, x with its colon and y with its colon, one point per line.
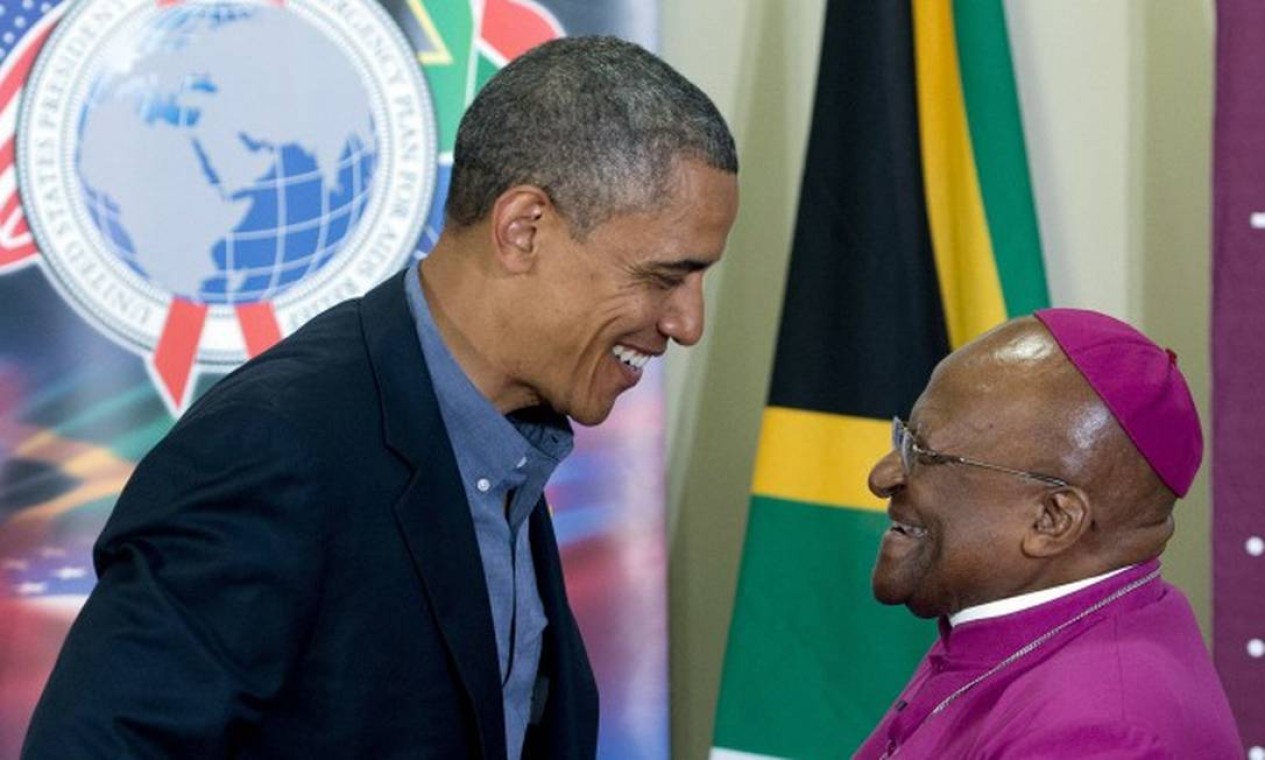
x: 203, y: 177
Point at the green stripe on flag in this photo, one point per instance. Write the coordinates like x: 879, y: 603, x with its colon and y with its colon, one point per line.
x: 806, y: 588
x: 992, y: 107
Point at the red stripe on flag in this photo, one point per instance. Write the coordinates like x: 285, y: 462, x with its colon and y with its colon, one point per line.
x: 259, y: 326
x: 6, y: 154
x: 512, y: 27
x: 178, y: 348
x: 14, y: 257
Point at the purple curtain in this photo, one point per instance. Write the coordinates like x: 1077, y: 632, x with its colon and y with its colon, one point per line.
x: 1238, y: 365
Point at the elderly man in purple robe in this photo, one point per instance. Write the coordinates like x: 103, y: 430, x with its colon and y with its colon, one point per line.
x: 1031, y: 494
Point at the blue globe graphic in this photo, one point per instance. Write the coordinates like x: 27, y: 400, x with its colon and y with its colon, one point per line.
x: 211, y: 171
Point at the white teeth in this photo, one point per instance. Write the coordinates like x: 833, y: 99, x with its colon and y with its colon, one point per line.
x: 632, y: 358
x: 913, y: 531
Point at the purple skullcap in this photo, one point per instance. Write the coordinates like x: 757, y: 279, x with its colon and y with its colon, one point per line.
x: 1141, y: 385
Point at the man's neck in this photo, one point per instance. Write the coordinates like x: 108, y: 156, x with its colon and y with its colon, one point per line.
x: 459, y: 299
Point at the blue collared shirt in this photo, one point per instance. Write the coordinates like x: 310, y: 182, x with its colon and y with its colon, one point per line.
x: 504, y: 464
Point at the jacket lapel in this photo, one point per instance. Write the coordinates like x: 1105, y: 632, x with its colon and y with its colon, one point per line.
x: 432, y: 512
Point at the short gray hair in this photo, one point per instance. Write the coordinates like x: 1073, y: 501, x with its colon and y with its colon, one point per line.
x: 596, y: 122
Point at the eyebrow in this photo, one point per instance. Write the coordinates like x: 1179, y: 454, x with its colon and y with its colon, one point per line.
x: 685, y: 266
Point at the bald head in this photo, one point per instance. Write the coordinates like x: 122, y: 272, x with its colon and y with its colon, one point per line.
x: 1050, y: 403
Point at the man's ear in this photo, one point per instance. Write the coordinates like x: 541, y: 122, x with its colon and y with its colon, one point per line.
x: 516, y: 218
x: 1066, y: 513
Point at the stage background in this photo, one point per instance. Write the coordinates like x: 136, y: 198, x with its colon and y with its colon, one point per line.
x: 1117, y: 100
x: 77, y: 409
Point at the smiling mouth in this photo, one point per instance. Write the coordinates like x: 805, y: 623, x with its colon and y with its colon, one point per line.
x: 631, y: 357
x: 905, y: 529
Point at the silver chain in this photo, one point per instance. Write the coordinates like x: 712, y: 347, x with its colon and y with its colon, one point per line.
x: 1034, y: 644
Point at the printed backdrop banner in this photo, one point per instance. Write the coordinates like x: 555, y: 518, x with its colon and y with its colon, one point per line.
x: 184, y: 182
x: 1238, y: 365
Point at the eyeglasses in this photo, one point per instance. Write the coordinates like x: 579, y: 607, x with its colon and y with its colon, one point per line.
x: 903, y: 442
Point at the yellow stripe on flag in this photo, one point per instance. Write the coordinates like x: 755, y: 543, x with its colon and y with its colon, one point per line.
x: 969, y: 284
x: 819, y: 458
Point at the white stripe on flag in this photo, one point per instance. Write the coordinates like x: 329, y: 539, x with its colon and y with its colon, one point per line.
x: 8, y: 182
x: 9, y: 116
x: 720, y: 753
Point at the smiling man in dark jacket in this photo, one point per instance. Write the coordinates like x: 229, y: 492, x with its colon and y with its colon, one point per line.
x: 342, y: 550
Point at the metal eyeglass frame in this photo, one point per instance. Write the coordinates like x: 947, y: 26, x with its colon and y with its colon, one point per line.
x: 903, y: 442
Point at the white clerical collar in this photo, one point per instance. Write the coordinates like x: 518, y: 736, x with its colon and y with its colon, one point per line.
x: 1026, y: 601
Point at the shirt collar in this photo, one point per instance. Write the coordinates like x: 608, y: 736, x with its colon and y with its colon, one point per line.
x: 985, y: 641
x: 1027, y: 601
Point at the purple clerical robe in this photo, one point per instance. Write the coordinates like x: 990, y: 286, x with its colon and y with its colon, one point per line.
x: 1124, y: 675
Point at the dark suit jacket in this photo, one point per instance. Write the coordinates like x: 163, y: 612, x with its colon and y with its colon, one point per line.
x: 293, y: 572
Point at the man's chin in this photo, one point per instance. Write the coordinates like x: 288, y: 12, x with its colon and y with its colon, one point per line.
x: 593, y: 409
x: 890, y: 593
x: 885, y: 594
x: 590, y: 417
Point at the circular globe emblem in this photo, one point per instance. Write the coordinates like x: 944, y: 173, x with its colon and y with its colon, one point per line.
x: 223, y: 159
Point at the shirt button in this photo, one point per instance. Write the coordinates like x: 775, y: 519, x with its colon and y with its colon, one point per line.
x: 483, y: 484
x: 520, y: 464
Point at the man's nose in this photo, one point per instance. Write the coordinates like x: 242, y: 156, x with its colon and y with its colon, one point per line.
x: 682, y: 320
x: 887, y: 476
